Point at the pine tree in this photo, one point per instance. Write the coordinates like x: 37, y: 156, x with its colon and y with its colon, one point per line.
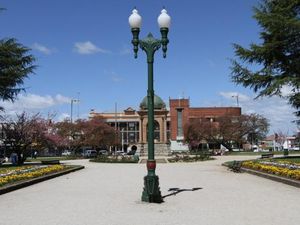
x: 274, y: 63
x: 15, y: 65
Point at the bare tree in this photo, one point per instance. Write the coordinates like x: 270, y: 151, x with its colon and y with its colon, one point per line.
x: 280, y: 138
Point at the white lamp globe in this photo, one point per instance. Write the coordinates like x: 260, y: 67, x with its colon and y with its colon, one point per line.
x: 135, y: 20
x: 164, y: 20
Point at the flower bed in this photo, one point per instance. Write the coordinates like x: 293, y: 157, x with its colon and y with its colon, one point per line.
x: 186, y: 158
x: 281, y: 168
x: 10, y: 175
x: 116, y: 159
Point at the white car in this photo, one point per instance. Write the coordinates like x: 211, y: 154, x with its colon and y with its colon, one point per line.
x: 2, y: 159
x: 66, y: 153
x: 120, y: 153
x: 89, y: 153
x: 103, y: 152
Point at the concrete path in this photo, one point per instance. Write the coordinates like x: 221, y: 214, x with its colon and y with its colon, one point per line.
x: 109, y: 194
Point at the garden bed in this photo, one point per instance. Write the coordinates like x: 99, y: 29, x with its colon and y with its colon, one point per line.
x: 284, y: 169
x: 278, y: 167
x: 187, y: 158
x: 116, y: 159
x: 13, y: 178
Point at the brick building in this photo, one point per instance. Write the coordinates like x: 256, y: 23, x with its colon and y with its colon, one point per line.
x: 169, y: 123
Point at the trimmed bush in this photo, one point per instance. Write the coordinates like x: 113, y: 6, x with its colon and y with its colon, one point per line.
x: 116, y: 159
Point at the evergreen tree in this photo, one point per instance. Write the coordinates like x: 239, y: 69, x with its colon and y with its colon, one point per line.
x: 15, y: 65
x: 275, y: 62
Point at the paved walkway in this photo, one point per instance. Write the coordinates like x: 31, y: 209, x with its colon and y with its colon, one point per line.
x: 109, y: 194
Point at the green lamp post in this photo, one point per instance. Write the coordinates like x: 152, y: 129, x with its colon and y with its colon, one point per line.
x: 150, y: 45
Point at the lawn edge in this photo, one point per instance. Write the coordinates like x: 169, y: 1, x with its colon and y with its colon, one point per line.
x: 26, y: 183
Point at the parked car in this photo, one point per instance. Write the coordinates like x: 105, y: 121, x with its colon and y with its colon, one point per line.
x: 120, y: 153
x: 66, y: 153
x: 2, y: 159
x: 89, y: 153
x: 103, y: 152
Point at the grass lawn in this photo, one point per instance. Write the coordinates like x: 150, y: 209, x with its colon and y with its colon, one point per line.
x: 8, y: 168
x: 39, y: 159
x: 259, y: 153
x: 292, y: 160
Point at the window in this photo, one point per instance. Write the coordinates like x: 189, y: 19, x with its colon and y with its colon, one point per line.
x: 179, y: 123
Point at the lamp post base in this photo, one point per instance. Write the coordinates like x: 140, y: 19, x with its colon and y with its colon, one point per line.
x: 151, y: 191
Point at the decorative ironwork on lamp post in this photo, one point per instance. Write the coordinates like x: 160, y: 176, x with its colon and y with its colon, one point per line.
x: 150, y: 45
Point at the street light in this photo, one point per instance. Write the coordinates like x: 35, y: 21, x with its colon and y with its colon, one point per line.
x: 73, y: 101
x: 150, y: 45
x: 237, y: 99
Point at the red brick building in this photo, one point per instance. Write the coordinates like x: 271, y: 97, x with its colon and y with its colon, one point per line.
x: 181, y: 113
x: 169, y: 123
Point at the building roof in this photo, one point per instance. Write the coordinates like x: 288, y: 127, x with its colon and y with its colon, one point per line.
x: 158, y: 103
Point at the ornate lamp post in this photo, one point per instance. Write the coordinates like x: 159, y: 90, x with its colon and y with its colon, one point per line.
x: 150, y: 45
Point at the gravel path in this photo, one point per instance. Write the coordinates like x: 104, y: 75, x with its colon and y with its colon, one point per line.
x: 109, y: 194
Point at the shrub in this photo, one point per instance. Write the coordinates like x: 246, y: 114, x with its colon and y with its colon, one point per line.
x: 116, y: 159
x: 203, y: 156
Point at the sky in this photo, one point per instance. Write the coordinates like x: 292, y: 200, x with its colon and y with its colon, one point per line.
x: 83, y: 51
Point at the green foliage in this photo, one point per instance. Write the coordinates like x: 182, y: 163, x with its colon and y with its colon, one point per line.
x: 288, y: 159
x: 202, y: 156
x: 15, y: 65
x: 116, y: 159
x: 275, y: 62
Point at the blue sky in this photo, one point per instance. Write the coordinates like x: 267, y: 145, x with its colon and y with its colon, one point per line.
x: 83, y: 50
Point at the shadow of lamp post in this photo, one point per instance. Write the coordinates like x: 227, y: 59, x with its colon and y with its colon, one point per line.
x: 150, y: 45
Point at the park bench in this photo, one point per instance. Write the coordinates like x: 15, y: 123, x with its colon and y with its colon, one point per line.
x: 236, y: 166
x: 267, y: 155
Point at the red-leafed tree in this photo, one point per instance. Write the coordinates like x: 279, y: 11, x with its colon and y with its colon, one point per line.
x: 225, y: 130
x: 24, y: 132
x: 94, y: 132
x: 66, y: 134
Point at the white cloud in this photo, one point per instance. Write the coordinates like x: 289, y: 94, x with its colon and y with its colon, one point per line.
x: 63, y: 116
x: 287, y: 90
x: 41, y: 48
x: 33, y: 102
x: 275, y: 109
x: 88, y: 47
